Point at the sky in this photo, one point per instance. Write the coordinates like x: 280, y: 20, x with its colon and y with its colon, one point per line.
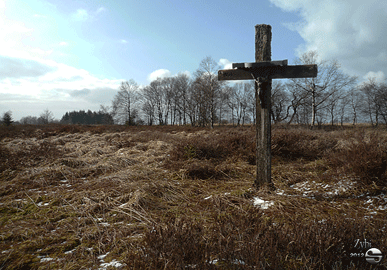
x: 66, y: 55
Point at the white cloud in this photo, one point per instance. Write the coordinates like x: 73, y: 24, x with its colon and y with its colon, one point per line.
x: 123, y: 41
x: 160, y: 73
x: 351, y: 31
x: 187, y: 73
x: 101, y: 9
x: 225, y: 63
x: 39, y: 85
x: 29, y: 77
x: 63, y: 43
x: 378, y: 76
x: 11, y: 67
x: 80, y: 15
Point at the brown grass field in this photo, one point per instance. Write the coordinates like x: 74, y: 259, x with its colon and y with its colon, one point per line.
x: 113, y: 197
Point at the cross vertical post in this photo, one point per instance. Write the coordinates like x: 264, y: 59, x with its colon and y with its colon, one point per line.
x: 263, y: 106
x: 263, y: 70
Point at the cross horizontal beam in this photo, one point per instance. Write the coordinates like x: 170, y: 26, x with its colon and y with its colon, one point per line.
x: 272, y: 72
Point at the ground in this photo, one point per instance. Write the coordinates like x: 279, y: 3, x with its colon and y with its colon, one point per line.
x: 98, y: 197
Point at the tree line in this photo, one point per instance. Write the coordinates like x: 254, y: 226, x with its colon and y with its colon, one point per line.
x: 87, y: 118
x: 332, y: 97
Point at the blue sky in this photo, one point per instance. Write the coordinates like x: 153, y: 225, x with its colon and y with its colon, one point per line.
x: 73, y: 55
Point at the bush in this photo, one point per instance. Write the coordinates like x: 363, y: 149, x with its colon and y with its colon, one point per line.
x: 306, y: 144
x: 248, y: 239
x: 364, y: 156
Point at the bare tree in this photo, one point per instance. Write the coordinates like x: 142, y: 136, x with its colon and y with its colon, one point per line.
x: 336, y: 104
x: 298, y: 100
x: 382, y: 97
x: 29, y: 120
x: 374, y: 100
x: 149, y: 110
x: 229, y: 92
x: 280, y: 105
x: 239, y: 97
x: 330, y: 79
x: 46, y: 117
x: 181, y: 88
x: 344, y: 107
x: 209, y: 86
x: 108, y: 112
x: 193, y: 101
x: 167, y: 85
x: 355, y: 103
x: 157, y: 100
x: 124, y: 103
x: 222, y: 108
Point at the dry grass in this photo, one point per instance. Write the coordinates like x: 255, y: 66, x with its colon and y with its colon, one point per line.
x: 77, y: 197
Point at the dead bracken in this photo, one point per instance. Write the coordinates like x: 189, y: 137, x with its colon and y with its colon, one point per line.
x: 171, y: 197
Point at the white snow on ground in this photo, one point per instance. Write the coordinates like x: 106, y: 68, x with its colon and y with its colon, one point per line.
x: 113, y: 263
x: 263, y: 204
x: 70, y: 251
x: 101, y: 257
x: 45, y: 259
x: 308, y: 189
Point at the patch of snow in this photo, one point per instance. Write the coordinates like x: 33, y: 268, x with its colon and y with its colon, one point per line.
x: 113, y: 263
x: 45, y: 259
x: 263, y: 204
x: 101, y: 257
x: 239, y: 262
x: 70, y: 251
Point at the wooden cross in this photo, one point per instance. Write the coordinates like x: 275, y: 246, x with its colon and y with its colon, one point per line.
x: 263, y: 70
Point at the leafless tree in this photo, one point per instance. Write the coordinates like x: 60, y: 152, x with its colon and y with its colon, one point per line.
x: 298, y: 101
x: 124, y: 103
x: 280, y: 104
x: 239, y: 97
x: 374, y: 100
x: 330, y: 79
x: 336, y: 105
x: 209, y: 87
x: 355, y: 103
x: 108, y: 111
x: 182, y: 85
x: 168, y: 97
x: 46, y: 117
x: 382, y: 93
x: 29, y: 120
x: 344, y: 107
x: 222, y: 108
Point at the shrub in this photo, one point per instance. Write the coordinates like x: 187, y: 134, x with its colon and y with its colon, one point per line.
x: 306, y: 144
x: 364, y: 156
x: 247, y: 239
